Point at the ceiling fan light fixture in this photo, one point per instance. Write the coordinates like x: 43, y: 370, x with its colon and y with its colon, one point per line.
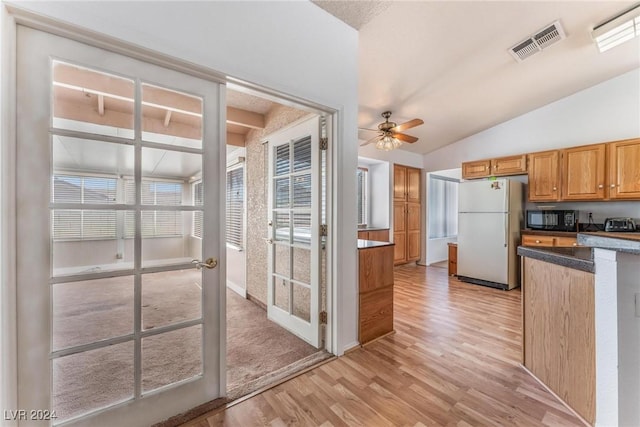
x: 388, y: 143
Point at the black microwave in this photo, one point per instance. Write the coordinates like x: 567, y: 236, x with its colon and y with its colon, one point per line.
x: 556, y: 220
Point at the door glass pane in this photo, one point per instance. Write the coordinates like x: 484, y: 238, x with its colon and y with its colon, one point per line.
x: 302, y: 154
x: 281, y: 260
x: 170, y: 297
x: 282, y: 164
x: 171, y: 117
x: 301, y: 301
x: 167, y: 239
x: 302, y: 191
x: 171, y: 357
x: 167, y: 176
x: 92, y: 379
x: 89, y: 241
x: 86, y: 171
x: 302, y: 265
x: 281, y: 198
x: 281, y: 293
x: 91, y: 310
x: 91, y: 101
x: 281, y: 224
x: 302, y: 228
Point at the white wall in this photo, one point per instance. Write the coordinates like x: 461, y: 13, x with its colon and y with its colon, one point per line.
x: 606, y: 112
x: 292, y: 47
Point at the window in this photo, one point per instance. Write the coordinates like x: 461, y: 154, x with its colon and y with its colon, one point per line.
x: 443, y: 207
x: 197, y: 215
x: 363, y: 188
x: 160, y: 223
x: 76, y: 224
x: 235, y: 207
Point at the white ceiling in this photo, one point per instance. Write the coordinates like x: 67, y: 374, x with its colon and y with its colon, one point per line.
x: 447, y: 62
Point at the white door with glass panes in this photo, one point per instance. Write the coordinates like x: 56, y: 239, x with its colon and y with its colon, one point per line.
x: 293, y: 294
x: 119, y: 301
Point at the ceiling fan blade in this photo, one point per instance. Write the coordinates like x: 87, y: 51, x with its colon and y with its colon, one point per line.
x: 369, y: 141
x: 405, y: 138
x: 407, y: 125
x: 372, y: 130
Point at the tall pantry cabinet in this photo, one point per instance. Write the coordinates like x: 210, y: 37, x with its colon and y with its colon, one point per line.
x: 406, y: 214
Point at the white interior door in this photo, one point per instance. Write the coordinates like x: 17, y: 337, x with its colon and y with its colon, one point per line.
x: 293, y: 295
x: 118, y: 190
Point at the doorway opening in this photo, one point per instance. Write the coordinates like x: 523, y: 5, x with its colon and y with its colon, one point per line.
x: 274, y: 195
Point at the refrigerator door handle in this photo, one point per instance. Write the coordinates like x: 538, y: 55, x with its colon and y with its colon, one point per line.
x: 506, y: 230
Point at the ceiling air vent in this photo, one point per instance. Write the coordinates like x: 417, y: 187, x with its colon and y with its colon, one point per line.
x: 540, y: 40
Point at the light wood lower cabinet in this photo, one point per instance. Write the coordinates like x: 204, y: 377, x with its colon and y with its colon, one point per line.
x: 377, y: 235
x: 453, y: 259
x: 375, y: 282
x: 548, y: 241
x: 559, y: 332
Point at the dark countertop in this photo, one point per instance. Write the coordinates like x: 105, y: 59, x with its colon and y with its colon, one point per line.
x: 367, y: 244
x: 576, y: 258
x: 373, y: 229
x: 623, y: 242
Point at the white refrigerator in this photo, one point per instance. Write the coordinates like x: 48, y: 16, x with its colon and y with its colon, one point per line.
x: 489, y: 224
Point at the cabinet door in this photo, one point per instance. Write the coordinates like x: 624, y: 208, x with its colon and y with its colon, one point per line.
x: 583, y: 173
x: 624, y: 169
x: 512, y: 165
x: 413, y: 185
x: 364, y: 235
x: 399, y: 182
x: 399, y: 232
x: 477, y: 169
x: 544, y: 184
x: 413, y: 231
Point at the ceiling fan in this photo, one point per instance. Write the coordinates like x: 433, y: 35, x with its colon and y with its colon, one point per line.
x: 389, y: 136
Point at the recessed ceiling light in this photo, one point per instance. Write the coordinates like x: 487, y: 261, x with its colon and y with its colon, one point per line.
x: 617, y: 30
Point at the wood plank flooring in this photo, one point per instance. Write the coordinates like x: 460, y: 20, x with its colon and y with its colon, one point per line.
x: 453, y: 361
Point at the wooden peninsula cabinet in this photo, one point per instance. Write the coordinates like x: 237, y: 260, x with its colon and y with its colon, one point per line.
x: 375, y: 290
x: 406, y: 214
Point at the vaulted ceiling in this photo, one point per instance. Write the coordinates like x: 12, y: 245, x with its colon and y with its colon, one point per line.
x: 448, y: 62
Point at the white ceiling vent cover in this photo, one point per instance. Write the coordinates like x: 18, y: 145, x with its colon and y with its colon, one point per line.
x: 540, y: 40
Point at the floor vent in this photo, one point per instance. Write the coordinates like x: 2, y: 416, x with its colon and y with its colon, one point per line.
x: 542, y: 39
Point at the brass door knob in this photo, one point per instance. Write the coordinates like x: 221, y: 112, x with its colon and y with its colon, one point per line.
x: 208, y: 263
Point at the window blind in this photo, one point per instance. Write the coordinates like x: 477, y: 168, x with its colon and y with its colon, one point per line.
x: 76, y: 224
x: 362, y: 179
x: 198, y: 200
x: 155, y: 223
x: 235, y: 207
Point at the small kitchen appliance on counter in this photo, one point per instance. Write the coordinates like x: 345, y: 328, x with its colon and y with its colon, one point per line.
x: 620, y: 225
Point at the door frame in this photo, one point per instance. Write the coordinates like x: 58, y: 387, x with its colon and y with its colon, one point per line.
x: 10, y: 17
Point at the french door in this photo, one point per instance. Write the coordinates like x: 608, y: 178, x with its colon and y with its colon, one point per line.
x: 118, y: 165
x: 293, y: 288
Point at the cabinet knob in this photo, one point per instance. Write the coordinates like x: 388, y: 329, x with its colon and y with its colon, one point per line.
x: 537, y: 241
x: 613, y: 186
x: 600, y: 186
x: 575, y: 244
x: 555, y: 188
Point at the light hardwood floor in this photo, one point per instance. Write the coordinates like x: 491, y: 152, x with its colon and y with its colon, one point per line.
x: 453, y: 361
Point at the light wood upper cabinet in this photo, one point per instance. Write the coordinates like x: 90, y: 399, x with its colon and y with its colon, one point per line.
x: 399, y: 182
x: 512, y: 165
x: 624, y: 169
x: 477, y: 169
x: 544, y: 176
x: 584, y: 172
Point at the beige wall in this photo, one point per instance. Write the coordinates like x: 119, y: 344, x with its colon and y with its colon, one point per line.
x: 257, y: 198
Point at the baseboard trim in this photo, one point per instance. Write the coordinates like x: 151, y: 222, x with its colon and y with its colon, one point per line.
x: 257, y: 302
x: 377, y: 339
x: 565, y: 404
x: 237, y: 289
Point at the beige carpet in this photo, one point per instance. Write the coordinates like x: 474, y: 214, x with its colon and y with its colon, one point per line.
x: 94, y: 310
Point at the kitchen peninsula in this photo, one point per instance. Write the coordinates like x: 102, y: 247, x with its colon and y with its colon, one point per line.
x: 581, y: 324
